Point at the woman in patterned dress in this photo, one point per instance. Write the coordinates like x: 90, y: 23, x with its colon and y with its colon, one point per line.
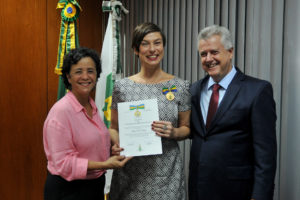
x: 155, y: 177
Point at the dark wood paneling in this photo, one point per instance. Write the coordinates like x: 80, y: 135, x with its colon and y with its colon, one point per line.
x: 90, y: 24
x: 29, y: 32
x: 23, y: 97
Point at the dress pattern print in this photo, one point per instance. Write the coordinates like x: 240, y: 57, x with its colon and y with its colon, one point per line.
x: 155, y: 177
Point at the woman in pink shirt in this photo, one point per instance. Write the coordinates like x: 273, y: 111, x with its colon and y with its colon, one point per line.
x: 76, y: 141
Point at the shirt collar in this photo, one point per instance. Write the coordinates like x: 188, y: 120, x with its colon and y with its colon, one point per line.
x: 77, y: 106
x: 224, y: 83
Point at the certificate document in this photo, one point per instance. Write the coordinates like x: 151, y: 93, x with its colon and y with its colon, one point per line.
x: 135, y: 133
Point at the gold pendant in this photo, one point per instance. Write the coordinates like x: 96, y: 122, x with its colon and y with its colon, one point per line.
x: 137, y: 113
x: 170, y: 96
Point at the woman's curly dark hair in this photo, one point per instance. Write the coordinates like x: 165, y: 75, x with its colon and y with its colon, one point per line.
x: 73, y: 57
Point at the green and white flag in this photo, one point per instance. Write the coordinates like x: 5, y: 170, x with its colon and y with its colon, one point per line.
x: 110, y: 60
x: 111, y: 67
x: 105, y: 83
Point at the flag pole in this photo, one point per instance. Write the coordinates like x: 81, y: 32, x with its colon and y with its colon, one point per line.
x: 111, y: 67
x: 110, y: 59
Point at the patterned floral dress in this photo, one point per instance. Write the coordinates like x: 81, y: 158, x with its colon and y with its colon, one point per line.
x: 157, y: 177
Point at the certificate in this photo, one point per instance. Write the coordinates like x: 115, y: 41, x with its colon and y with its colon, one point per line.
x: 135, y: 133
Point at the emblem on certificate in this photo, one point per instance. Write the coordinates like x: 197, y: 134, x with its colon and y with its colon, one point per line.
x: 169, y: 92
x: 137, y: 113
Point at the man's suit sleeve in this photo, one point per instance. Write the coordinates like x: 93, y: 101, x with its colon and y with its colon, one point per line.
x: 263, y: 119
x: 193, y: 91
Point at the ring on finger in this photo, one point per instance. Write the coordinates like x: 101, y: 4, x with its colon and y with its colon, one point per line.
x: 165, y: 127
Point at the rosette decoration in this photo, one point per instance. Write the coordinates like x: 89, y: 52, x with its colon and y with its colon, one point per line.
x: 68, y: 38
x: 167, y: 90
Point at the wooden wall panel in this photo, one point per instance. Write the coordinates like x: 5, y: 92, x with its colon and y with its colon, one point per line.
x: 90, y: 24
x: 23, y: 103
x: 29, y: 32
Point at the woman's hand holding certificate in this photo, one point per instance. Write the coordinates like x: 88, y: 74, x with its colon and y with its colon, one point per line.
x: 135, y: 128
x: 163, y: 129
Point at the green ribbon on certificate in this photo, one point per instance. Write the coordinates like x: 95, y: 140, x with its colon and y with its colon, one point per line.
x: 137, y: 107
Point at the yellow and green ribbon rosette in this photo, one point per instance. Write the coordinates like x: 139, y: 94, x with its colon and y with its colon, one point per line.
x: 69, y: 13
x: 68, y: 38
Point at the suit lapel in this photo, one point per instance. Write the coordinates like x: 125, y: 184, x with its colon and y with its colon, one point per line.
x: 230, y: 95
x: 199, y: 123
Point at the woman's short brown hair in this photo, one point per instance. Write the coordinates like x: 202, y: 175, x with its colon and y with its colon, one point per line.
x: 141, y: 31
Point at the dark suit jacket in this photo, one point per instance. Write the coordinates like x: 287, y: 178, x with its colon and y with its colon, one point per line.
x: 235, y: 158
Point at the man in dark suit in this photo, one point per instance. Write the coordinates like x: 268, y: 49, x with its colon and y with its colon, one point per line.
x: 233, y: 153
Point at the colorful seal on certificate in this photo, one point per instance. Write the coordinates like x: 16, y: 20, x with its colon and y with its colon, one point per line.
x: 137, y: 113
x: 169, y: 92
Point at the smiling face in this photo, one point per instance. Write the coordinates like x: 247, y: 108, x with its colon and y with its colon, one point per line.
x: 151, y: 50
x: 82, y: 77
x: 215, y: 59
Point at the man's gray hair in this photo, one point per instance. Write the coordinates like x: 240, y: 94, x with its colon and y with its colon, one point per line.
x: 217, y: 30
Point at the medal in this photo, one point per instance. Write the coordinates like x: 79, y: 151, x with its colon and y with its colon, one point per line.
x: 170, y: 96
x: 137, y: 113
x: 170, y: 92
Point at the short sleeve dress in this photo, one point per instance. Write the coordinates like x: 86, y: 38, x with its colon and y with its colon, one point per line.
x: 156, y: 177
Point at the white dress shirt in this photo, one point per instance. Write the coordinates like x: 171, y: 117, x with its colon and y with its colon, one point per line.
x: 207, y: 91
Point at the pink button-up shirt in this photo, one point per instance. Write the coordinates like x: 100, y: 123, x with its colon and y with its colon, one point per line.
x: 72, y: 138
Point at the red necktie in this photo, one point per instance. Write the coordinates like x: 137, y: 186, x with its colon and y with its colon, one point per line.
x: 213, y: 104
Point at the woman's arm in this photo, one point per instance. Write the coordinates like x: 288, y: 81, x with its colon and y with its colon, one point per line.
x: 114, y: 134
x: 116, y: 161
x: 114, y: 127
